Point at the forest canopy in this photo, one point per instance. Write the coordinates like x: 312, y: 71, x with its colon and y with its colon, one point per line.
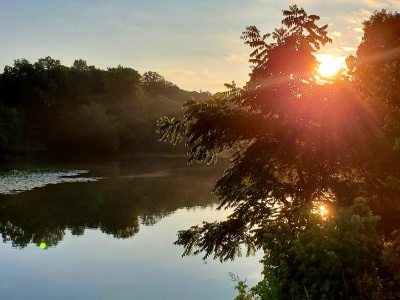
x: 89, y: 110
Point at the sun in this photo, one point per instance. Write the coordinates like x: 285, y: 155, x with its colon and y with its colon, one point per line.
x: 322, y: 210
x: 329, y: 65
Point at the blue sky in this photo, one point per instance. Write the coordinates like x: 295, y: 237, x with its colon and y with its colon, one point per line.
x: 195, y: 44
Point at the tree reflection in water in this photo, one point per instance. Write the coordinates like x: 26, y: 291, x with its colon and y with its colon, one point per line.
x: 116, y: 205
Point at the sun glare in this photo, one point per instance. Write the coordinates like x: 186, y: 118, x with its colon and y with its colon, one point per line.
x: 329, y: 65
x: 322, y: 210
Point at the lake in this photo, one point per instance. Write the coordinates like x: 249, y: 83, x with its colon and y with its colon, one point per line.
x: 105, y: 230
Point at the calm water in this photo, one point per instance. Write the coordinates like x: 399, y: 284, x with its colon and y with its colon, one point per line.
x: 106, y: 231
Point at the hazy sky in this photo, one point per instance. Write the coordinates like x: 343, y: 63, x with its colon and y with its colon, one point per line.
x: 193, y: 43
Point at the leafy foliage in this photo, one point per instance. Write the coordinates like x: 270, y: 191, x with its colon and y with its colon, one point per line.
x: 376, y: 75
x: 345, y: 255
x: 9, y: 126
x: 242, y: 288
x: 340, y: 257
x: 91, y: 111
x: 91, y: 129
x: 122, y: 81
x: 294, y: 141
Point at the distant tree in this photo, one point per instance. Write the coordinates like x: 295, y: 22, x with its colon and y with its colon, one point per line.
x: 122, y: 81
x: 9, y: 126
x: 38, y: 101
x: 156, y: 85
x: 34, y: 90
x: 80, y: 65
x: 295, y: 142
x: 34, y: 86
x: 150, y: 77
x: 58, y: 78
x: 48, y: 63
x: 17, y: 82
x: 89, y: 129
x: 85, y: 81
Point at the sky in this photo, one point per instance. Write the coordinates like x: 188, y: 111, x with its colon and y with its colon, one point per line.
x: 193, y: 43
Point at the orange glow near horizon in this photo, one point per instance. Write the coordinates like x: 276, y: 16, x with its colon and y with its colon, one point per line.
x: 329, y: 65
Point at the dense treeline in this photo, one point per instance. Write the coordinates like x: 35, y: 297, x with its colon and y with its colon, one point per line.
x: 51, y: 108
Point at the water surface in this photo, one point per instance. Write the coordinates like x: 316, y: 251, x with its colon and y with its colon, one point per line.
x: 109, y: 234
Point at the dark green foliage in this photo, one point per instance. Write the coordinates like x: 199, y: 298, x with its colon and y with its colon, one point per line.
x: 338, y: 257
x: 82, y: 109
x: 375, y: 72
x: 381, y: 40
x: 332, y: 260
x: 294, y: 141
x: 156, y: 85
x: 9, y: 126
x: 85, y: 80
x: 122, y: 81
x: 90, y: 128
x: 241, y: 287
x: 376, y: 69
x: 34, y: 86
x: 351, y: 254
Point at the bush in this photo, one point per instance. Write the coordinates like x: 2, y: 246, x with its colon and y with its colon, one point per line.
x: 337, y: 257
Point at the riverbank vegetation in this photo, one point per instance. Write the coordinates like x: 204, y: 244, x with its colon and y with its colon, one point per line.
x: 304, y: 147
x: 314, y: 174
x: 48, y: 109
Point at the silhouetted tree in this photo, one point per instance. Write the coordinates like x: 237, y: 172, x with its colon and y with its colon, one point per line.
x: 50, y: 102
x: 295, y: 142
x: 9, y: 126
x: 156, y: 85
x: 122, y: 81
x: 375, y: 72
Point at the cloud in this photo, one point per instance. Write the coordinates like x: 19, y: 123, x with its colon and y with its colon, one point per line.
x: 241, y: 57
x: 336, y: 33
x: 376, y: 4
x: 358, y: 29
x: 358, y: 17
x: 379, y: 4
x: 192, y: 79
x: 334, y: 50
x: 366, y: 13
x: 349, y: 49
x: 353, y: 20
x: 341, y: 59
x: 394, y: 2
